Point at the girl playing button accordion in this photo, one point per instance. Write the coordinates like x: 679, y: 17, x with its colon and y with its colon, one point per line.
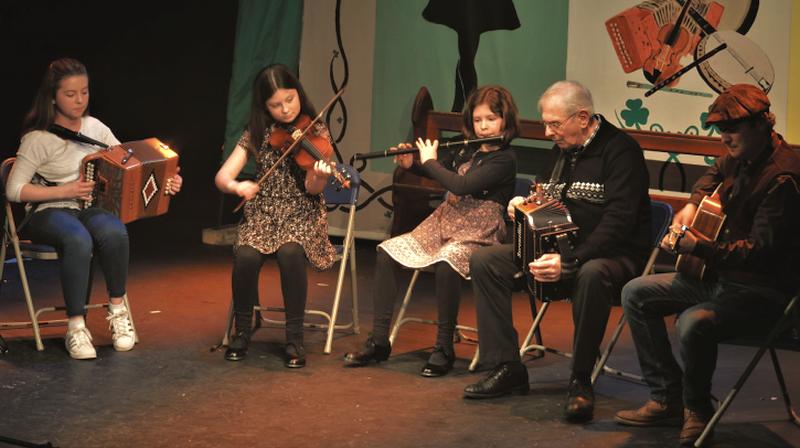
x: 47, y: 173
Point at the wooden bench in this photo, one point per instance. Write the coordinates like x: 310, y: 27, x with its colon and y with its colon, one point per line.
x: 670, y: 180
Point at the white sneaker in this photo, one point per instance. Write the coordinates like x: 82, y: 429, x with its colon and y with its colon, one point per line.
x: 79, y: 344
x: 121, y: 330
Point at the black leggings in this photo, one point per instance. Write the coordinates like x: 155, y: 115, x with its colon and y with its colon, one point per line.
x: 291, y: 257
x: 448, y: 295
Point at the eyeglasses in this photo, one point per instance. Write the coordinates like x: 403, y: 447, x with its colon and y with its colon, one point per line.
x: 556, y: 125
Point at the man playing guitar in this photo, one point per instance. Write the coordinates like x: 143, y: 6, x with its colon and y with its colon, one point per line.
x: 751, y: 265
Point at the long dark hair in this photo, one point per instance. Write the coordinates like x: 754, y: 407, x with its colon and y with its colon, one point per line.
x: 267, y: 81
x: 500, y: 101
x: 43, y: 111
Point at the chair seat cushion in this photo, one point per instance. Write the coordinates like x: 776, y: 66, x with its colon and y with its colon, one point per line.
x: 38, y: 251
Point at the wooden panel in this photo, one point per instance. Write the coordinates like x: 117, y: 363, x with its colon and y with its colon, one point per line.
x: 435, y: 123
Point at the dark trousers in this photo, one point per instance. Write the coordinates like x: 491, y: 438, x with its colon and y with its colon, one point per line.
x: 448, y: 295
x: 247, y: 263
x: 710, y: 312
x: 76, y: 234
x: 597, y: 288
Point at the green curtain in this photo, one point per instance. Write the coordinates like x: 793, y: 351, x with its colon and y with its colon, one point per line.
x: 411, y: 52
x: 267, y: 32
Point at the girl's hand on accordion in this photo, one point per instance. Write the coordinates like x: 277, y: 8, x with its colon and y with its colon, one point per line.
x: 546, y: 268
x: 174, y: 183
x: 78, y: 189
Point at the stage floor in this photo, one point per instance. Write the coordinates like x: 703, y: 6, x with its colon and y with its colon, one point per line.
x: 174, y: 390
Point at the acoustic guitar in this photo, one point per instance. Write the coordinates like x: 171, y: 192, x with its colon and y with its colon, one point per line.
x: 707, y: 222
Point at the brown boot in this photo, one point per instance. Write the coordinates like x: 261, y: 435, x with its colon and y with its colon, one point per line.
x: 693, y: 425
x: 653, y: 413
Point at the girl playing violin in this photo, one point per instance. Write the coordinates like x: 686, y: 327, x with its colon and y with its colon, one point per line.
x: 285, y: 215
x: 479, y: 182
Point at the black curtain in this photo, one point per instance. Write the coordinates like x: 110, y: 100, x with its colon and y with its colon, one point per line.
x: 157, y: 69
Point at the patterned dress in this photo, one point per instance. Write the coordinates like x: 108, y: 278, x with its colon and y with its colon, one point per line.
x: 459, y: 226
x: 282, y: 211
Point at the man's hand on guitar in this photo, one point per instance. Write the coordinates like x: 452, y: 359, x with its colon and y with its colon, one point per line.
x: 546, y: 268
x: 679, y: 240
x: 685, y: 216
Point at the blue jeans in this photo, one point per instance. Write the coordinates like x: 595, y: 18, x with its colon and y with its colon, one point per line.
x: 709, y: 312
x: 75, y: 235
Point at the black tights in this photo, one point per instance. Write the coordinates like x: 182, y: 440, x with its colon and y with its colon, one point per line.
x: 448, y: 295
x: 247, y: 263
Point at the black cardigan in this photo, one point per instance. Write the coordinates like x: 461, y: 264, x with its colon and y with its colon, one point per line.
x: 490, y: 177
x: 605, y: 187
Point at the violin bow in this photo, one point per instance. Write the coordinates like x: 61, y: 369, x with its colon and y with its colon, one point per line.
x: 294, y: 143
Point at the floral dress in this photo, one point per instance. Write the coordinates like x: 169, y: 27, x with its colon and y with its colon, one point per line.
x: 283, y: 212
x: 459, y: 226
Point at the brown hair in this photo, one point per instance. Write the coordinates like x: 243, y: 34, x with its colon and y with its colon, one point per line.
x: 500, y: 101
x: 266, y: 82
x: 43, y: 111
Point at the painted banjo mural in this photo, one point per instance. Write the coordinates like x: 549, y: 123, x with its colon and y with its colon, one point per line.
x: 670, y: 60
x: 653, y: 65
x: 655, y: 36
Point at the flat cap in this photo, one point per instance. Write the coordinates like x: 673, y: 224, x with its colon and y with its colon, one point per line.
x: 738, y: 102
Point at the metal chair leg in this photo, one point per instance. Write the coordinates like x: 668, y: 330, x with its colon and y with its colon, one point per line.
x: 787, y: 401
x: 354, y: 289
x: 401, y: 314
x: 749, y: 370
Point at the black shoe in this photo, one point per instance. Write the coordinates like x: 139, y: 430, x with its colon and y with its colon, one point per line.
x: 371, y: 352
x: 580, y: 401
x: 237, y: 348
x: 506, y: 378
x: 431, y: 370
x: 295, y: 355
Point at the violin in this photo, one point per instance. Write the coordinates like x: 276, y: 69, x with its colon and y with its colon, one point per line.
x: 289, y: 137
x: 309, y: 149
x: 675, y: 42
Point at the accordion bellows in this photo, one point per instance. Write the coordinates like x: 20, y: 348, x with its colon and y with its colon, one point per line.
x: 130, y: 178
x: 543, y: 225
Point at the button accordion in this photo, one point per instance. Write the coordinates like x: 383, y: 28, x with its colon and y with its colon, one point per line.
x: 543, y: 225
x: 131, y: 178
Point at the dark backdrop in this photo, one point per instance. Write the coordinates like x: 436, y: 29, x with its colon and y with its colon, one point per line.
x: 157, y: 69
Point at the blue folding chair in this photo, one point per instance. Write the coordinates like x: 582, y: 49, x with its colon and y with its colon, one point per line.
x: 661, y: 217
